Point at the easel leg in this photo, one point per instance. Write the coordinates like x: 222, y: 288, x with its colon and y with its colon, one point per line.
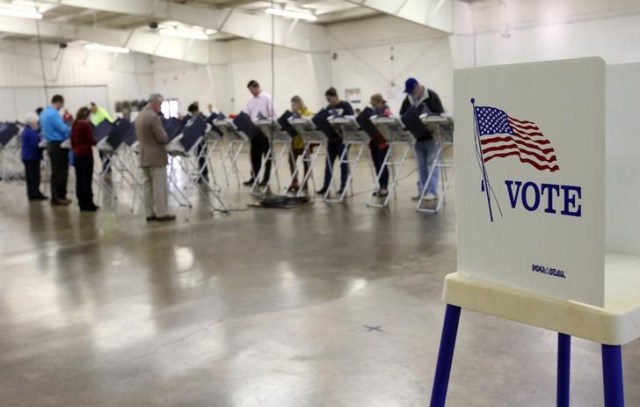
x: 564, y: 370
x: 445, y: 356
x: 612, y: 375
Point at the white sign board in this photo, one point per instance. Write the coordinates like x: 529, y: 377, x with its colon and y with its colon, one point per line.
x: 529, y: 156
x: 623, y: 166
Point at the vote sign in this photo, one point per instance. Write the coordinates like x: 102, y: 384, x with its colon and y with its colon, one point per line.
x: 529, y: 156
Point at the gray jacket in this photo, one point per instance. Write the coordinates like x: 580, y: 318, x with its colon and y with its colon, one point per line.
x: 152, y: 139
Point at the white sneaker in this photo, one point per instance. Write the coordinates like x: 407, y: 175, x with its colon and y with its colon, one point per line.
x: 430, y: 197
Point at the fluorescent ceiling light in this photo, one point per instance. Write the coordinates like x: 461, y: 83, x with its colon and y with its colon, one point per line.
x: 192, y: 35
x: 105, y: 48
x: 10, y: 10
x: 291, y: 14
x: 42, y: 8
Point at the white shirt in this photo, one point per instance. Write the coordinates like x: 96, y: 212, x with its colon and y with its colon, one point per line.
x: 260, y: 105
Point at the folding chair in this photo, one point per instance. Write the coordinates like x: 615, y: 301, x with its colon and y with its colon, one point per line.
x: 10, y: 160
x: 186, y: 152
x: 313, y: 139
x: 277, y: 136
x: 435, y: 124
x: 394, y: 132
x: 234, y: 140
x: 352, y: 135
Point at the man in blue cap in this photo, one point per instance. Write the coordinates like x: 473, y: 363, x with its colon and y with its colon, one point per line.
x: 424, y: 100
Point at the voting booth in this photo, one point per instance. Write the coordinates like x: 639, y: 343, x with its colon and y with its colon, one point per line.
x: 542, y: 152
x: 10, y: 159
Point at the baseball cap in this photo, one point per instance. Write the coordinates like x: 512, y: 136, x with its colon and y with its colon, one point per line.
x: 410, y: 84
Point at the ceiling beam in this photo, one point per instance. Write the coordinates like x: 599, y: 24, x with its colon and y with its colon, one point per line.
x: 200, y: 52
x: 66, y: 17
x: 241, y: 23
x: 434, y: 14
x: 236, y: 3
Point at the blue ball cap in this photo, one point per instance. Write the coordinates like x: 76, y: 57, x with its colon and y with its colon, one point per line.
x: 410, y: 84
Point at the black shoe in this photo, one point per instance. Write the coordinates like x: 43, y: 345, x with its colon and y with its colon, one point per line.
x: 340, y: 191
x: 322, y: 191
x: 151, y: 218
x: 166, y: 218
x: 248, y: 183
x: 90, y: 208
x: 39, y: 198
x: 264, y: 183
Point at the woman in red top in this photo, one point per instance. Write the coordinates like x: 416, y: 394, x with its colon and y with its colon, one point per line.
x: 82, y: 142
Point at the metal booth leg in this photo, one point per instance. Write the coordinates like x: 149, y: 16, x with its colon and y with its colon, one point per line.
x: 612, y: 375
x: 564, y: 370
x: 445, y: 356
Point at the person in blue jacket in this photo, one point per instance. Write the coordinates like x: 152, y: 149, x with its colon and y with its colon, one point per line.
x: 55, y: 131
x: 31, y: 157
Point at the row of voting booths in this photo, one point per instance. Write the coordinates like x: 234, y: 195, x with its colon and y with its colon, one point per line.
x: 356, y: 133
x: 204, y: 155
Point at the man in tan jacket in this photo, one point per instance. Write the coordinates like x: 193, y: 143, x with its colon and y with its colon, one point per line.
x: 152, y: 140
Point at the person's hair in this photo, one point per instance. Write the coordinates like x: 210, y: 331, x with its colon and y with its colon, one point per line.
x: 92, y: 104
x: 193, y: 108
x: 31, y: 118
x: 155, y: 97
x: 377, y: 98
x: 331, y: 92
x: 253, y: 84
x: 83, y: 113
x: 39, y: 110
x: 57, y: 99
x: 298, y: 99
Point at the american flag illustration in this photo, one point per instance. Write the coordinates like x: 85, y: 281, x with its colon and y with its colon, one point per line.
x: 502, y: 136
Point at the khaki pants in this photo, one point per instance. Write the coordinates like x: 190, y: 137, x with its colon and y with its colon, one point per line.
x: 155, y: 191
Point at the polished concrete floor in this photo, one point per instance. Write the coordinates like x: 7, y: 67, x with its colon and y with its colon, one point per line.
x: 321, y: 305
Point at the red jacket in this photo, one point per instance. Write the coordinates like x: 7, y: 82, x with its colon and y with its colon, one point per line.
x: 82, y: 138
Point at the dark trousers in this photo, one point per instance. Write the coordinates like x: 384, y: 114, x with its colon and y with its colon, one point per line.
x: 259, y: 149
x: 59, y: 158
x: 334, y: 150
x: 84, y: 179
x: 377, y: 156
x: 32, y: 174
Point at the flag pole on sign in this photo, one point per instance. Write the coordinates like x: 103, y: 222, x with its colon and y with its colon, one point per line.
x: 484, y: 186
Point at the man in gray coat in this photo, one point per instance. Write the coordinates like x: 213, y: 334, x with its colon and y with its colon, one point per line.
x: 152, y: 140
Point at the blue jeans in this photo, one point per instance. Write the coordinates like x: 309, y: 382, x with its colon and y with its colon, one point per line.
x: 426, y: 154
x: 334, y: 150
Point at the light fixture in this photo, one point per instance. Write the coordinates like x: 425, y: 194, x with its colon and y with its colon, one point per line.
x: 10, y: 10
x: 291, y: 14
x: 191, y: 35
x: 105, y: 48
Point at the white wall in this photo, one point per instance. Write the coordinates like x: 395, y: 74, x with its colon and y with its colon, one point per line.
x: 517, y: 31
x: 126, y: 77
x: 191, y: 82
x: 362, y: 61
x: 293, y: 73
x: 224, y: 86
